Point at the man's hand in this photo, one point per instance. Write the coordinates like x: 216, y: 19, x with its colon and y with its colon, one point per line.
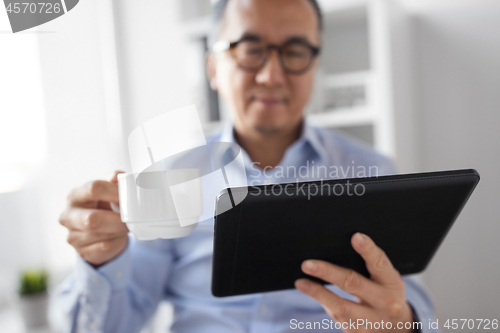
x: 382, y: 297
x: 95, y: 231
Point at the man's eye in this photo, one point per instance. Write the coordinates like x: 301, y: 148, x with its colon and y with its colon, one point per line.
x: 293, y: 54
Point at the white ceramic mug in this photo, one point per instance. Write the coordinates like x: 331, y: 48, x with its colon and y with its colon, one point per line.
x: 160, y: 204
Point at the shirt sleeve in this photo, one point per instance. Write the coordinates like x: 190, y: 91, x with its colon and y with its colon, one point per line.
x: 119, y: 296
x: 423, y: 311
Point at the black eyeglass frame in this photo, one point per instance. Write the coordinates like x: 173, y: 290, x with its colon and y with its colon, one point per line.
x: 225, y: 45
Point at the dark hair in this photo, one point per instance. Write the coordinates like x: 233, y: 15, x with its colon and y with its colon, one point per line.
x: 220, y: 8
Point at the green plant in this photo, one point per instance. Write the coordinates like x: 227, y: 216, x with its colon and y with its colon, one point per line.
x: 32, y: 282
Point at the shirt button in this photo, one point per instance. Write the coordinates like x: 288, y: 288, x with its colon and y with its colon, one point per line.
x: 264, y: 309
x: 96, y: 280
x: 118, y: 274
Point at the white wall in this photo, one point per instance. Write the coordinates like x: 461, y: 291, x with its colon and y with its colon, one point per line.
x: 77, y: 141
x: 457, y: 62
x: 76, y: 119
x: 152, y: 55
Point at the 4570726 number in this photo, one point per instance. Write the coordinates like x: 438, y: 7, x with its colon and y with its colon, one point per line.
x: 34, y: 7
x: 472, y: 324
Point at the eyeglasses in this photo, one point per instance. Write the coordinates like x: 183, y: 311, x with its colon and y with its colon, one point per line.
x: 251, y: 54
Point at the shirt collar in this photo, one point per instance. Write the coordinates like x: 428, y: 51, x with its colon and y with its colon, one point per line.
x: 227, y: 134
x: 309, y: 135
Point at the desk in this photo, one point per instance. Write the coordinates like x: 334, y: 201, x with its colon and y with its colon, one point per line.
x: 11, y: 322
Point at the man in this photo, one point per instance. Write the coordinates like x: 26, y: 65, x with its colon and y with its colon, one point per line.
x: 262, y: 64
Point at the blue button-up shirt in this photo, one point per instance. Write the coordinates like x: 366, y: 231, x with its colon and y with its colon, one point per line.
x: 123, y: 294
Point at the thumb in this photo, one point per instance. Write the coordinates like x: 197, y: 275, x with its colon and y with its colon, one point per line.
x: 114, y: 179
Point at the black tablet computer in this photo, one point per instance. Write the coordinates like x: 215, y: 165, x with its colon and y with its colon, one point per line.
x: 263, y: 233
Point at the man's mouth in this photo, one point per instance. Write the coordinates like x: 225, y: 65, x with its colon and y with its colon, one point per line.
x: 269, y: 100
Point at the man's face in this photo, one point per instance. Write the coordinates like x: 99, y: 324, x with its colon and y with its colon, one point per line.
x: 268, y: 100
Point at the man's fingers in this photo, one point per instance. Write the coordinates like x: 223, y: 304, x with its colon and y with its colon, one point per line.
x: 78, y: 238
x: 102, y: 252
x: 335, y: 306
x: 350, y: 281
x: 377, y: 262
x: 98, y: 190
x: 92, y: 220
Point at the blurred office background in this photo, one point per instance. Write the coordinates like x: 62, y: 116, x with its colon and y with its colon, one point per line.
x: 417, y: 79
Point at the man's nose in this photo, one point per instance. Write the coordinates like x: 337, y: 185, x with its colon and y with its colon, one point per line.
x: 272, y: 73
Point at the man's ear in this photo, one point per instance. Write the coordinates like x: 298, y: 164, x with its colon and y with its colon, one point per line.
x: 210, y: 66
